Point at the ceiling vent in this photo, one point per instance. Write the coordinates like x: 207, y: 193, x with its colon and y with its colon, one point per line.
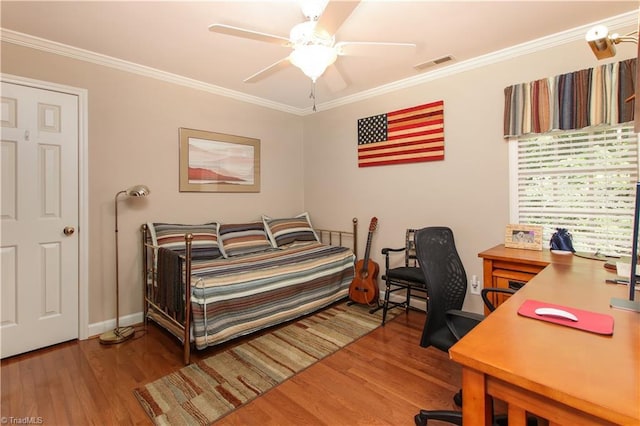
x: 433, y: 62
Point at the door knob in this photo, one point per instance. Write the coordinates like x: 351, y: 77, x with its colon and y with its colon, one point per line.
x: 69, y: 230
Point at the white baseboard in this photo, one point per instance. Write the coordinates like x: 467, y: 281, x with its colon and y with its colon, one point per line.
x: 98, y: 328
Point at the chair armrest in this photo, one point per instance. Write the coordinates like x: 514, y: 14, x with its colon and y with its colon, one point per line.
x: 388, y: 250
x: 461, y: 322
x: 485, y: 298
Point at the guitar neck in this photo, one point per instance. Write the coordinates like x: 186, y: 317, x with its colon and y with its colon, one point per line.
x: 367, y: 251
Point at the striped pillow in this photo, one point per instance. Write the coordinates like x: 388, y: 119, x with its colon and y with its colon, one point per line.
x: 171, y: 236
x: 242, y: 238
x: 287, y: 231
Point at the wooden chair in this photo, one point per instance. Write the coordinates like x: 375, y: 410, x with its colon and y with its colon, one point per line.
x: 408, y: 277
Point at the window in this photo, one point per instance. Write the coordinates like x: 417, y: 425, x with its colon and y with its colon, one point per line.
x: 582, y: 180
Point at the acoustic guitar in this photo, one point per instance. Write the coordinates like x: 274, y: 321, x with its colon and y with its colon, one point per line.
x: 364, y: 287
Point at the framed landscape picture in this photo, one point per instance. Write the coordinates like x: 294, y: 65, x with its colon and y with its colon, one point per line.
x: 217, y: 162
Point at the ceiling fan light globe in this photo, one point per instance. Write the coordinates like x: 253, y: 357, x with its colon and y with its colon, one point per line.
x: 322, y: 37
x: 313, y: 59
x: 306, y: 33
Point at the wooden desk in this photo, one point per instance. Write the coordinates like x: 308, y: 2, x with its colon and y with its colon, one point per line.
x: 512, y: 268
x: 567, y: 376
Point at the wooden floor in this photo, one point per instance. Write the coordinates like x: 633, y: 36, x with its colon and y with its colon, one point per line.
x: 382, y: 379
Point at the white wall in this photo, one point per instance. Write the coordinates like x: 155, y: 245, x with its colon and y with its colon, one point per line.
x: 133, y: 139
x: 468, y: 191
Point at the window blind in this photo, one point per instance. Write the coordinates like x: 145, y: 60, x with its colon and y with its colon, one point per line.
x: 583, y: 181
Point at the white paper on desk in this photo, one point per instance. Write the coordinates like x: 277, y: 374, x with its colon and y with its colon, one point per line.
x: 623, y: 269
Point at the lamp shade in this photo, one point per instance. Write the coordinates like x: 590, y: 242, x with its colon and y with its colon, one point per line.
x: 313, y: 59
x: 138, y: 191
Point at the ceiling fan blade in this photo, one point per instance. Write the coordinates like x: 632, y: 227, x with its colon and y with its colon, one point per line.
x: 334, y: 78
x: 266, y: 72
x: 334, y: 15
x: 250, y: 34
x: 350, y: 47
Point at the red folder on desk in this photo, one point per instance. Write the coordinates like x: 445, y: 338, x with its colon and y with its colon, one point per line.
x: 587, y: 320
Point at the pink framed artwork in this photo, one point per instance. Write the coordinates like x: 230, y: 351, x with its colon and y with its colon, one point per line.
x: 217, y: 162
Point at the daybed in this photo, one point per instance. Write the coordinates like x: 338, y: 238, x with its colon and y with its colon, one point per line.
x: 242, y: 277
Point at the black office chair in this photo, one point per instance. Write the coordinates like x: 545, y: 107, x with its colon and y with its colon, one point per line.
x: 487, y: 300
x: 446, y: 323
x: 408, y: 277
x: 446, y: 284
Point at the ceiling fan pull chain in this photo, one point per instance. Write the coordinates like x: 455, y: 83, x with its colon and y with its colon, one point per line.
x: 312, y: 95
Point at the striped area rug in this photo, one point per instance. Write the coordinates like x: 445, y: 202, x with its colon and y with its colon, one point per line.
x: 205, y: 391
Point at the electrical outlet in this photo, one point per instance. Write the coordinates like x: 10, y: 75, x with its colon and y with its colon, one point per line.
x: 476, y: 286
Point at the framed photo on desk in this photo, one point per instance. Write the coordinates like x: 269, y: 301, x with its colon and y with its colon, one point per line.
x: 527, y: 237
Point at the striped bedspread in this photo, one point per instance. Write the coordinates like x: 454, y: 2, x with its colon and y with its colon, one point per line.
x: 236, y: 296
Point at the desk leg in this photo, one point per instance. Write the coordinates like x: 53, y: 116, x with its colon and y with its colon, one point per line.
x: 476, y: 403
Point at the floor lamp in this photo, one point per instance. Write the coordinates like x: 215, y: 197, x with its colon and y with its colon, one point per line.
x: 120, y: 334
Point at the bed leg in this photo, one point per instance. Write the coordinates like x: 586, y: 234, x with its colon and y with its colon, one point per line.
x: 187, y: 353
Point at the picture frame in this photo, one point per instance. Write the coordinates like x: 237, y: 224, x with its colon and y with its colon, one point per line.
x: 217, y: 162
x: 527, y: 237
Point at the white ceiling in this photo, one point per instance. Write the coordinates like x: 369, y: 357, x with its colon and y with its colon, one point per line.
x: 173, y: 37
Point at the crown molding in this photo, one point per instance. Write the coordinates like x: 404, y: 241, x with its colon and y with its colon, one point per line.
x: 61, y: 49
x: 543, y: 43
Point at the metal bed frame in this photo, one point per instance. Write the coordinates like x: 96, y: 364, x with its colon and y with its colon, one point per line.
x: 162, y: 315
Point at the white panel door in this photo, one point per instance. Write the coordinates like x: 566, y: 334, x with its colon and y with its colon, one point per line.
x: 39, y: 213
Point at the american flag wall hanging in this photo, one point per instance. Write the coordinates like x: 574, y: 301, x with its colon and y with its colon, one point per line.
x: 409, y: 135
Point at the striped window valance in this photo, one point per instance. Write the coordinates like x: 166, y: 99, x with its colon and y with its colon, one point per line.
x: 575, y: 100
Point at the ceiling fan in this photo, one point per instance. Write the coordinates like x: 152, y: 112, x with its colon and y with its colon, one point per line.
x: 313, y: 41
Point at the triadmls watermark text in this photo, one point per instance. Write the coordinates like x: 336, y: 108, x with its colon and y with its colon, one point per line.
x: 25, y: 420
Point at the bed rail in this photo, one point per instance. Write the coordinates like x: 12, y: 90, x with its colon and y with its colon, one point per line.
x: 327, y: 236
